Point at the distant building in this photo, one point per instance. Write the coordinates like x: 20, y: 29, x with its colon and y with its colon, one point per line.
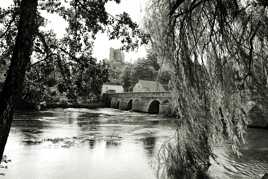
x: 117, y: 55
x: 112, y: 88
x: 116, y: 65
x: 148, y: 86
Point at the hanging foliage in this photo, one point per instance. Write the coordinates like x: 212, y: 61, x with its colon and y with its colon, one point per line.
x: 218, y: 51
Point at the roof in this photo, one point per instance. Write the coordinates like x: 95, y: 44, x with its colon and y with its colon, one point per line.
x: 151, y: 86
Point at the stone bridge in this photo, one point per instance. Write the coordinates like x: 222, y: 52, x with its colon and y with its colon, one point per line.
x: 150, y: 102
x: 160, y: 103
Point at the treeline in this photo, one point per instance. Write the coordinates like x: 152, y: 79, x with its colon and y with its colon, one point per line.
x: 35, y: 54
x: 147, y: 68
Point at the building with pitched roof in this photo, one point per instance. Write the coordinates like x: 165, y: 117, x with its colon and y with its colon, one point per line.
x: 148, y: 86
x: 112, y: 88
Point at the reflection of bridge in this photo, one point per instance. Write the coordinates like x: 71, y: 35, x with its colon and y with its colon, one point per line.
x: 151, y: 102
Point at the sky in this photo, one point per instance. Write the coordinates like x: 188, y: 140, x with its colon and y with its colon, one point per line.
x: 135, y: 8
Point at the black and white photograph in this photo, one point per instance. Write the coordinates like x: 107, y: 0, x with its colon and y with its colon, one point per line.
x: 133, y: 89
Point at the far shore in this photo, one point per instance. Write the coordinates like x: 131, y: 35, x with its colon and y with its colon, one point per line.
x: 75, y: 105
x: 97, y: 105
x: 60, y: 105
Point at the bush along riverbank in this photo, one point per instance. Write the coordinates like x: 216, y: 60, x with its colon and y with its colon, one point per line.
x: 26, y: 106
x: 73, y: 105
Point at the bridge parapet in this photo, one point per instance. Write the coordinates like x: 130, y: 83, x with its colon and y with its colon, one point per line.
x: 141, y: 94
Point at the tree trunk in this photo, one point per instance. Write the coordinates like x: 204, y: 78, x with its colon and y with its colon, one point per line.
x: 16, y: 73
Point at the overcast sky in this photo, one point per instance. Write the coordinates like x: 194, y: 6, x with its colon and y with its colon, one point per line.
x: 135, y: 8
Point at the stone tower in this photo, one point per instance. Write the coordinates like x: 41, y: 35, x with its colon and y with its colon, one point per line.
x: 117, y: 55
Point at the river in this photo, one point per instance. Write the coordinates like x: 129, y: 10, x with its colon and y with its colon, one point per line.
x: 109, y: 144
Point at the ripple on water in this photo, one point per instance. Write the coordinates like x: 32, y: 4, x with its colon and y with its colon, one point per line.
x: 74, y: 143
x: 250, y: 165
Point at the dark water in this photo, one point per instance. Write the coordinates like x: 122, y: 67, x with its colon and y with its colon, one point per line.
x: 109, y: 144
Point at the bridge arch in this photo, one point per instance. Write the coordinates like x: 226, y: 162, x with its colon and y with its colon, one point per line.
x: 154, y: 107
x: 129, y: 104
x: 142, y: 101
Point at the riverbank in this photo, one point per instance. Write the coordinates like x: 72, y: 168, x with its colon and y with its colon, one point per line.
x: 73, y: 105
x: 44, y: 106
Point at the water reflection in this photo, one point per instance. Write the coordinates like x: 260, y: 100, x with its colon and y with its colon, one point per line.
x: 149, y: 145
x: 252, y: 164
x: 30, y: 131
x: 112, y: 143
x: 109, y: 144
x: 88, y: 122
x: 91, y: 143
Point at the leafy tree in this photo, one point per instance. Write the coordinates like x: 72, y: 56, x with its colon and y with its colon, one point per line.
x: 115, y: 70
x: 20, y: 60
x: 89, y: 77
x: 164, y: 77
x: 22, y: 38
x: 151, y: 60
x: 214, y: 47
x: 143, y: 69
x: 127, y: 78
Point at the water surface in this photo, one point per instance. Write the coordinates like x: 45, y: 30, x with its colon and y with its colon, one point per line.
x: 109, y: 144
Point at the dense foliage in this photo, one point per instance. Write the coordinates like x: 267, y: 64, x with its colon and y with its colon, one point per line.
x: 143, y: 69
x: 127, y: 78
x: 47, y: 82
x: 218, y: 50
x: 115, y: 67
x: 70, y: 58
x: 89, y: 77
x: 25, y: 43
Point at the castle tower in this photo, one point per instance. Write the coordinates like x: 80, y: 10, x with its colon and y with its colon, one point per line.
x: 117, y: 55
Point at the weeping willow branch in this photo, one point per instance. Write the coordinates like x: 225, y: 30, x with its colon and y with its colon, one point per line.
x: 215, y: 49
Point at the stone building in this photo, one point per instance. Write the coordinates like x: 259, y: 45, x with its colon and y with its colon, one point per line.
x: 117, y: 55
x: 111, y: 88
x: 116, y: 65
x: 148, y: 86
